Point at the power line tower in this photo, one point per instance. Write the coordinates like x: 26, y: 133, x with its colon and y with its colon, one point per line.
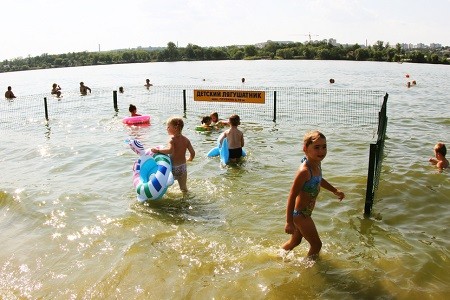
x: 310, y: 35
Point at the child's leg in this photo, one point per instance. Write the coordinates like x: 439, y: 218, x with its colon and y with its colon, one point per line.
x: 294, y: 241
x: 309, y: 232
x: 182, y: 182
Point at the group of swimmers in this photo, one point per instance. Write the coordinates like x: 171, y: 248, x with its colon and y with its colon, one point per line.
x: 410, y: 83
x: 56, y: 89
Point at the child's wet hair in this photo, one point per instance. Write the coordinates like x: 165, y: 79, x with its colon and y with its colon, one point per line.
x: 440, y: 148
x: 132, y: 108
x: 235, y: 120
x: 206, y: 119
x: 176, y: 122
x: 312, y: 136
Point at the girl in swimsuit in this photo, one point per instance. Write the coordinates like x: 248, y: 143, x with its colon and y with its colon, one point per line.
x: 303, y: 194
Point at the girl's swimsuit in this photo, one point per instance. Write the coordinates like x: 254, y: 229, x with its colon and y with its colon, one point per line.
x: 311, y: 187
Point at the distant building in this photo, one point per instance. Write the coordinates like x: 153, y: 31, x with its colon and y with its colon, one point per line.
x: 435, y: 46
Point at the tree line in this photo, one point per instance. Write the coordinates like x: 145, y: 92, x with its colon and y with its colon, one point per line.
x: 270, y: 50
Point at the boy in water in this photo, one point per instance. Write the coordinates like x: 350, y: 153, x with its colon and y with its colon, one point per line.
x: 9, y: 94
x: 84, y: 89
x: 178, y: 145
x: 235, y: 139
x: 439, y: 160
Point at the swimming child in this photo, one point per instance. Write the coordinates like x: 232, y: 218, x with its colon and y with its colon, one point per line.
x: 9, y: 93
x: 178, y: 145
x: 235, y: 139
x: 303, y: 194
x: 56, y: 90
x: 147, y: 83
x: 132, y: 109
x: 439, y: 160
x: 215, y: 120
x: 206, y: 121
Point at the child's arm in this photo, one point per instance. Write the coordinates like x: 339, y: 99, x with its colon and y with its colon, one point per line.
x: 299, y: 180
x: 433, y: 160
x: 166, y: 151
x: 224, y: 135
x: 191, y: 151
x: 242, y: 139
x: 326, y: 185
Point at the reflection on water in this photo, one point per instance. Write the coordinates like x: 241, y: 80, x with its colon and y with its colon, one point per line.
x: 71, y: 227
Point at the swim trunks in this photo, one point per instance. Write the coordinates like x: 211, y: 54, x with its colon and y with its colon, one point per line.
x: 235, y: 153
x: 177, y: 171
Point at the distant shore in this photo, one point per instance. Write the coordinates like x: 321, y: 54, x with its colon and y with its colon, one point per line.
x: 267, y: 51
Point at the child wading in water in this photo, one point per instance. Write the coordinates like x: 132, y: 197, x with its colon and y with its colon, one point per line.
x: 303, y: 195
x: 235, y: 139
x: 178, y: 145
x: 439, y: 160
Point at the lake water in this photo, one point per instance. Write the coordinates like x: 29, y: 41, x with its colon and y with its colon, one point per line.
x: 72, y: 228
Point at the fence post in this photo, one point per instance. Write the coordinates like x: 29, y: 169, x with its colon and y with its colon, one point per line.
x: 370, y: 179
x: 115, y: 101
x: 274, y: 106
x: 46, y: 109
x: 184, y: 101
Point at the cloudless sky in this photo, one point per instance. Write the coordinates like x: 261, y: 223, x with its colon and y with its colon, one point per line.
x: 34, y: 27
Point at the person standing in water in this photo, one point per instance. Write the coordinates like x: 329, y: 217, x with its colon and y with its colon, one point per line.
x: 303, y: 194
x: 84, y: 89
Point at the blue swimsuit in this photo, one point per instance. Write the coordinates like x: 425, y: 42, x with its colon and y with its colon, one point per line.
x: 311, y: 187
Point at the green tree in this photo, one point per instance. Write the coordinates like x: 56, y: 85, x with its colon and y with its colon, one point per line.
x: 250, y: 50
x: 362, y: 54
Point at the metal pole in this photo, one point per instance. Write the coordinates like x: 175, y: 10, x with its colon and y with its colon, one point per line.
x: 115, y: 101
x: 184, y: 101
x: 370, y: 180
x: 274, y: 106
x: 46, y: 109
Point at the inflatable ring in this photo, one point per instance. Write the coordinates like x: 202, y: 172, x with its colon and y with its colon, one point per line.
x: 222, y: 151
x: 203, y: 128
x: 152, y: 173
x: 145, y: 119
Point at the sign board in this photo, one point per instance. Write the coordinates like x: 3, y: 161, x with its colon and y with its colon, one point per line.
x: 230, y: 96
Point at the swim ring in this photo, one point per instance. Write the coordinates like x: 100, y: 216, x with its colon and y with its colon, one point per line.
x: 203, y: 128
x: 222, y: 151
x: 152, y: 173
x: 136, y: 120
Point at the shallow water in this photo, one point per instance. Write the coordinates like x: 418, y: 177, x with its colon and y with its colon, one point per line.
x: 71, y: 227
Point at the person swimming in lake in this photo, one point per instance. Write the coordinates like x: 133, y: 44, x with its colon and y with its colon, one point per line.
x: 56, y: 90
x: 216, y: 122
x: 147, y: 83
x: 440, y: 151
x: 206, y: 121
x: 133, y: 109
x: 84, y: 89
x: 9, y: 93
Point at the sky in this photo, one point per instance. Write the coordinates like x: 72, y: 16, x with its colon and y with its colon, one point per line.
x: 35, y: 27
